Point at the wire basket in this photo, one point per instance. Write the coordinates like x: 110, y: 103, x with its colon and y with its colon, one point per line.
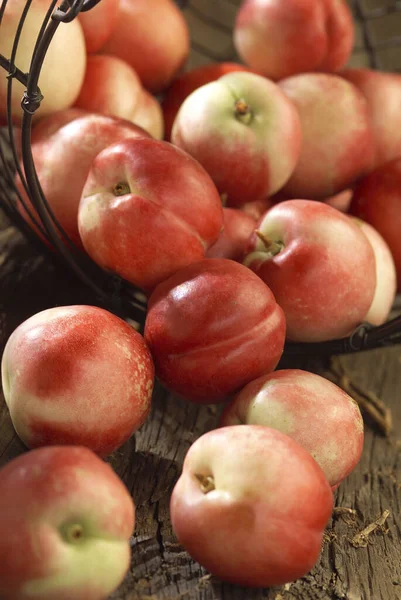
x: 372, y: 49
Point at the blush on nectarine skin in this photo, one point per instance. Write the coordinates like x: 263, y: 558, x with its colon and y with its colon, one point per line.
x: 213, y: 327
x: 314, y: 412
x: 233, y: 240
x: 147, y: 210
x: 44, y: 128
x: 340, y: 32
x: 63, y: 160
x: 319, y: 265
x: 98, y: 24
x: 337, y: 137
x: 257, y: 208
x: 244, y: 131
x: 377, y: 200
x: 149, y: 115
x: 340, y: 201
x: 251, y: 506
x: 152, y: 36
x: 280, y: 38
x: 77, y: 375
x: 383, y: 95
x: 111, y: 87
x: 66, y: 520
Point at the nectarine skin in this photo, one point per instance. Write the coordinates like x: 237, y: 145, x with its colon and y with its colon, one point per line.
x: 377, y: 200
x: 111, y: 87
x: 244, y: 131
x: 98, y: 24
x: 386, y: 276
x: 77, y: 375
x: 166, y: 215
x: 149, y: 115
x: 152, y: 36
x: 280, y: 38
x: 213, y: 327
x: 340, y: 201
x: 187, y: 83
x: 44, y: 128
x: 340, y: 35
x: 314, y: 412
x: 63, y: 160
x: 337, y: 136
x: 233, y: 240
x: 66, y: 519
x: 251, y: 506
x: 383, y: 94
x: 322, y: 270
x: 258, y: 208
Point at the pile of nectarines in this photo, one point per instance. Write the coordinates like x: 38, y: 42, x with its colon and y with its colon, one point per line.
x: 250, y: 203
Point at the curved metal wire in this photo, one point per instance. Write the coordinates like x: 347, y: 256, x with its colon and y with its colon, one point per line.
x: 365, y: 337
x: 70, y: 12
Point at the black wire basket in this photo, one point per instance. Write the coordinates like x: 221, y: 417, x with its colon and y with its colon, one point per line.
x: 372, y: 49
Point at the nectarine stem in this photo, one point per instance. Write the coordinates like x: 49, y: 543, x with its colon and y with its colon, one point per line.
x: 271, y: 246
x: 121, y: 189
x: 207, y: 483
x: 242, y: 111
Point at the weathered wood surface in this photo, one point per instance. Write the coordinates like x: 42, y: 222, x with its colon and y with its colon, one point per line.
x: 151, y: 462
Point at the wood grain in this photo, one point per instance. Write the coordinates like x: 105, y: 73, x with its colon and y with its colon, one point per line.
x: 151, y: 461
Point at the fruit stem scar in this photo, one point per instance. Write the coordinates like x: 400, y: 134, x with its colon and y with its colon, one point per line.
x: 271, y: 246
x: 121, y: 188
x: 243, y: 111
x: 207, y: 483
x: 74, y: 533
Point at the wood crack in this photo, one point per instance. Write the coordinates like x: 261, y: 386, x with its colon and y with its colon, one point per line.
x: 159, y: 532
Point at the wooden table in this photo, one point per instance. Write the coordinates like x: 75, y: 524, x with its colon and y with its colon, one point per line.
x: 364, y: 567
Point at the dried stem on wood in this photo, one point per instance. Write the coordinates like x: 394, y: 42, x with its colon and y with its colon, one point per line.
x: 361, y: 539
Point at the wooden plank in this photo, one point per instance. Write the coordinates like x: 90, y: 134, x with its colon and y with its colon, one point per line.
x: 151, y: 461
